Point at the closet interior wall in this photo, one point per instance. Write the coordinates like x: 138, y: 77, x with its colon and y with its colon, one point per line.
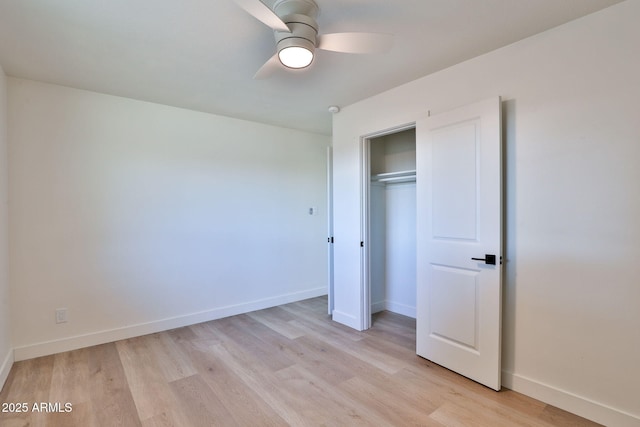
x: 392, y: 222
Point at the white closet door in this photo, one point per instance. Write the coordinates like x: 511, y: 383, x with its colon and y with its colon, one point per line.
x: 459, y: 230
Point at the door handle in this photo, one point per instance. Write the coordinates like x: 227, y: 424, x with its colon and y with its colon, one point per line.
x: 488, y: 259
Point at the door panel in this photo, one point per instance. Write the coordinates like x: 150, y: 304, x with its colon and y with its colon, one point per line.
x: 454, y: 172
x: 453, y: 305
x: 459, y: 218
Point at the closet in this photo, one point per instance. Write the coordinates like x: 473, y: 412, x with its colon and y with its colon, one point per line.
x: 392, y: 223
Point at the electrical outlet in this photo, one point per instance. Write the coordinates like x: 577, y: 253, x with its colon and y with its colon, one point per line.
x: 61, y: 315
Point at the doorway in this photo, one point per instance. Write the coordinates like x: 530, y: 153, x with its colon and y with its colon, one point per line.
x: 389, y: 222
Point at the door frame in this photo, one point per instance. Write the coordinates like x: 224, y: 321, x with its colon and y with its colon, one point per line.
x: 365, y: 218
x: 330, y: 283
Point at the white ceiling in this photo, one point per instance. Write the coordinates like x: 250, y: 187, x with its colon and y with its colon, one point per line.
x: 202, y: 54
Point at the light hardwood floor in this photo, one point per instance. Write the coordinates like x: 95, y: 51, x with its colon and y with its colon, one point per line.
x: 288, y: 365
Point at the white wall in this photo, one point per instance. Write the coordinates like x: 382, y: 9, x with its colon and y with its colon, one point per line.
x: 572, y: 150
x: 138, y: 217
x: 392, y: 246
x: 6, y: 353
x: 400, y: 229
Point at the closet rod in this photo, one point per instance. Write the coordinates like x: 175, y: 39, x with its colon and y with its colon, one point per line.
x: 403, y: 176
x: 397, y: 179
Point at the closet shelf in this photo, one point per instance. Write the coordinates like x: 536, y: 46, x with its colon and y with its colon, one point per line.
x: 394, y: 177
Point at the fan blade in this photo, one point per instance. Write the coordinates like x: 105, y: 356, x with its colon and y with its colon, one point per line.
x: 356, y: 42
x: 268, y: 68
x: 262, y: 13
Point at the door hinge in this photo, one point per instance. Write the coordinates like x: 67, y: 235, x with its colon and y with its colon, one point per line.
x: 330, y: 239
x: 362, y: 244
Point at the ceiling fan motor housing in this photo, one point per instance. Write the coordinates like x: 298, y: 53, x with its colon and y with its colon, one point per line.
x: 303, y: 29
x: 283, y: 8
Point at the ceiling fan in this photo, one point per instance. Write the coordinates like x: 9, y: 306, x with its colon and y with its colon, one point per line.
x: 296, y: 33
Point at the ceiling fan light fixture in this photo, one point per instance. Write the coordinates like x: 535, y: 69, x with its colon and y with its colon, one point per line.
x: 295, y: 57
x: 295, y: 52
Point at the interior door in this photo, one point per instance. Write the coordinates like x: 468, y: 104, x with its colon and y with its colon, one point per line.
x: 459, y: 240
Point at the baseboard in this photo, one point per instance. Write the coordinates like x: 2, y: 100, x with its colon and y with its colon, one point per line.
x: 568, y: 401
x: 353, y: 322
x: 7, y: 363
x: 346, y: 319
x: 378, y: 306
x: 102, y: 337
x: 396, y: 307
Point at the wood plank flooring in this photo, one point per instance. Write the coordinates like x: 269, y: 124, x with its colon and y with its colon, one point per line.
x: 287, y: 365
